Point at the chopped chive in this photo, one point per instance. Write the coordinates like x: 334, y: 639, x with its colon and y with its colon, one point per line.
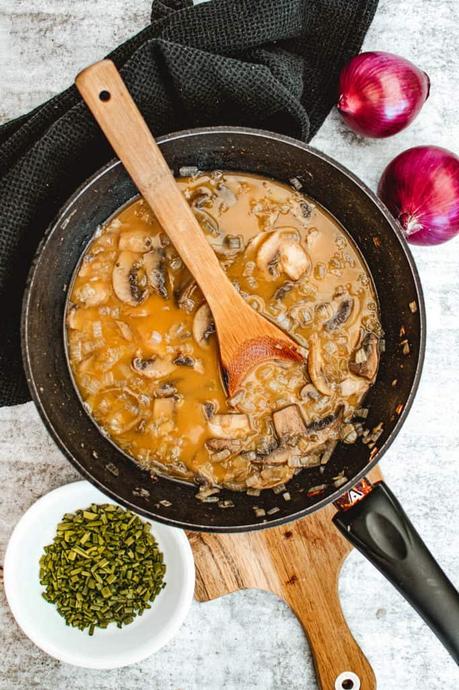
x: 113, y: 579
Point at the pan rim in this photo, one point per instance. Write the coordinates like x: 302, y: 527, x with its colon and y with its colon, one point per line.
x: 193, y: 526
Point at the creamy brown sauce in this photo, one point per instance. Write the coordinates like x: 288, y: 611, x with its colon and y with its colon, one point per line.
x: 145, y: 360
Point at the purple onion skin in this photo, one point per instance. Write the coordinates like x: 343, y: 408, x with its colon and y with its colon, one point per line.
x: 380, y: 93
x: 420, y: 187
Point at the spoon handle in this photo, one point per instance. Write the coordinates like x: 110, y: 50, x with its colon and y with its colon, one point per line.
x: 111, y: 104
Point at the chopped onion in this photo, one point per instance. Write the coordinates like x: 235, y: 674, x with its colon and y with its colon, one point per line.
x: 97, y: 329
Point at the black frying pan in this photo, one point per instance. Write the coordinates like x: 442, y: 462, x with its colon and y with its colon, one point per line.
x: 370, y: 517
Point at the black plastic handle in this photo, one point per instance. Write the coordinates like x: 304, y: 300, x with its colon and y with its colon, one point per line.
x: 379, y: 528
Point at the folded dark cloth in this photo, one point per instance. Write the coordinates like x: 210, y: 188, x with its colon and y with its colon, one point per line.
x: 263, y: 63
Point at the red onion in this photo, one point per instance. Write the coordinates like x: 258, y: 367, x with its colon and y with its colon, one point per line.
x: 420, y: 187
x: 381, y: 93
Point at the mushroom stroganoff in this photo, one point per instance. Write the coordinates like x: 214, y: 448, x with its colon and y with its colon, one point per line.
x: 144, y: 355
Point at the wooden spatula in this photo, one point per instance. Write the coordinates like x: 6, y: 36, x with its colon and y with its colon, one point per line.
x: 245, y: 337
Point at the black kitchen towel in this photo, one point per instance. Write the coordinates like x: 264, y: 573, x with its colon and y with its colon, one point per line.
x: 262, y: 63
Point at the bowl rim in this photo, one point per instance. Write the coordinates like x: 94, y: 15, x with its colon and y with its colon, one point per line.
x: 396, y: 229
x: 182, y: 599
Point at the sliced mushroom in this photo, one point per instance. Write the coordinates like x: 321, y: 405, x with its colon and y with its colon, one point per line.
x: 309, y: 392
x: 208, y: 409
x: 280, y: 252
x: 315, y: 366
x: 279, y: 456
x: 129, y: 278
x: 206, y: 221
x: 188, y: 296
x: 226, y: 195
x: 320, y: 424
x: 345, y: 313
x: 163, y: 408
x: 283, y: 290
x: 366, y: 358
x: 155, y: 267
x: 289, y: 421
x: 319, y: 433
x: 266, y: 444
x: 166, y: 390
x: 294, y: 260
x: 153, y: 367
x: 201, y: 196
x: 229, y: 425
x: 184, y: 361
x: 135, y: 241
x: 203, y: 325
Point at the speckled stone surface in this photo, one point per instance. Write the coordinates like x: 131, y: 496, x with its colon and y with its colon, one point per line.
x: 250, y: 640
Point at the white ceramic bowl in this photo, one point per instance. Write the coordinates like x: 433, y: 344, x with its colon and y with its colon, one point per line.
x: 107, y: 648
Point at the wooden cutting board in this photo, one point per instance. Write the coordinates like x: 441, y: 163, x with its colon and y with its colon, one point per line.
x: 300, y: 562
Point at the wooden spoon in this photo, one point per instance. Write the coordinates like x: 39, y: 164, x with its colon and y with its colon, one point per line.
x: 245, y: 337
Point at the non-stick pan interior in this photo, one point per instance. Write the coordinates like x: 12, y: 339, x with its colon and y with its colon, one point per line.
x: 374, y: 233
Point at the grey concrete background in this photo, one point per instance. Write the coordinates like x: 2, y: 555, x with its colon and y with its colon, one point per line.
x: 251, y: 640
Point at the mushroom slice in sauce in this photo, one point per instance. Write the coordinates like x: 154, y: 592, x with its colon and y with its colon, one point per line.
x: 320, y: 424
x: 366, y: 358
x: 318, y: 433
x: 315, y: 366
x: 227, y: 196
x: 184, y: 361
x: 289, y: 421
x: 155, y: 267
x: 309, y: 392
x: 201, y: 196
x: 188, y: 296
x: 129, y: 278
x: 203, y: 325
x: 153, y: 367
x: 281, y: 251
x: 279, y: 456
x: 163, y: 408
x: 294, y: 260
x: 229, y: 425
x: 283, y: 290
x: 345, y: 313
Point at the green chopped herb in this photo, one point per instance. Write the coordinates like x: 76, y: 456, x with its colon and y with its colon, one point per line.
x: 103, y: 566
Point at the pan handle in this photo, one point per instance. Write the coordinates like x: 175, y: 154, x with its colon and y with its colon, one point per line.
x: 379, y: 528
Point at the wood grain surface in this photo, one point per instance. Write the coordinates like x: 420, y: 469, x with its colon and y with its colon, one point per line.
x: 300, y: 562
